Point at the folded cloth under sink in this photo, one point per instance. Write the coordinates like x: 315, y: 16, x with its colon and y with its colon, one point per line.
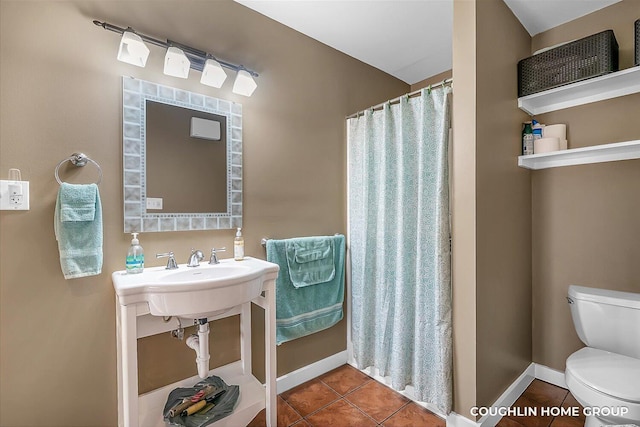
x: 223, y: 404
x: 310, y: 260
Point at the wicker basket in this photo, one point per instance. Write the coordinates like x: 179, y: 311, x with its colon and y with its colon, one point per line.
x: 637, y: 42
x: 582, y: 59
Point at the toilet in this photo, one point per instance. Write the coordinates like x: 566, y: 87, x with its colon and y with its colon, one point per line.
x: 604, y: 376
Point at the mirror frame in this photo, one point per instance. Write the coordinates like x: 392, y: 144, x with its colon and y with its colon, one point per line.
x: 135, y: 94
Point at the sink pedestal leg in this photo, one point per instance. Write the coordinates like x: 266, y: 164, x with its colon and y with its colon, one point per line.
x: 127, y: 366
x: 245, y: 338
x: 270, y: 355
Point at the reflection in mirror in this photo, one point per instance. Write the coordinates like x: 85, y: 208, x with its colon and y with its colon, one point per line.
x: 170, y: 136
x: 182, y: 159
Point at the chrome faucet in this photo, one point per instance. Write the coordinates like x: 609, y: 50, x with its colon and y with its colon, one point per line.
x: 171, y: 262
x: 214, y: 255
x: 195, y: 258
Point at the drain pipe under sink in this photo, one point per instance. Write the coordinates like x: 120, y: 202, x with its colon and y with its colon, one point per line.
x: 200, y: 343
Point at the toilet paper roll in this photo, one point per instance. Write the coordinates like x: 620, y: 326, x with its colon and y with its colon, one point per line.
x: 545, y: 145
x: 563, y: 144
x: 555, y: 131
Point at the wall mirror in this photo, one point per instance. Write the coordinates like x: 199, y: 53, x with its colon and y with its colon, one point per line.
x: 182, y: 159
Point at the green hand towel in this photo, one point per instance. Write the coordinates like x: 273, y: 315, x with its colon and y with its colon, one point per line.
x: 310, y: 260
x: 78, y: 202
x: 78, y: 230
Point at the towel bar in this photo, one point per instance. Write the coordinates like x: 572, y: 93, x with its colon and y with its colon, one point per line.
x: 79, y: 159
x: 263, y: 241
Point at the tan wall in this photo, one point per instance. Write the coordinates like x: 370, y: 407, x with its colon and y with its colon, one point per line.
x: 438, y: 78
x: 503, y: 211
x: 585, y: 218
x: 61, y: 93
x: 463, y: 205
x: 491, y: 206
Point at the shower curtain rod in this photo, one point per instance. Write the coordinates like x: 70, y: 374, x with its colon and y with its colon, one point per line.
x: 397, y: 100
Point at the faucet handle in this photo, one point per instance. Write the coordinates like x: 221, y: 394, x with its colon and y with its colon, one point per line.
x: 214, y: 255
x: 171, y: 262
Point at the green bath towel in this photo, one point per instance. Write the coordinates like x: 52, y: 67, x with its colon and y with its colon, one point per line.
x: 305, y: 310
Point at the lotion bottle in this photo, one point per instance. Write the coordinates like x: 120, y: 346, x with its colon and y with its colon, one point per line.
x: 238, y: 246
x: 135, y: 256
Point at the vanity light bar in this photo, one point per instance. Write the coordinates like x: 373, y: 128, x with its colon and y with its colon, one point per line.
x: 197, y: 58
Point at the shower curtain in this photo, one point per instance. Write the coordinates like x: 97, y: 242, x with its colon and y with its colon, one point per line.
x: 400, y: 246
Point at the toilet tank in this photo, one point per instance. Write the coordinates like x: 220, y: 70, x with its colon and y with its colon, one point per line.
x: 607, y: 320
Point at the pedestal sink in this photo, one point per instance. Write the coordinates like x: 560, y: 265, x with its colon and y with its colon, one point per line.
x: 207, y: 291
x: 194, y: 292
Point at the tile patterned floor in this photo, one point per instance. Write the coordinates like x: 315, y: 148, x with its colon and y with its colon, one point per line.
x: 345, y: 397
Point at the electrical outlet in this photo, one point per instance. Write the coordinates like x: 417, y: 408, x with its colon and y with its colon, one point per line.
x: 154, y: 203
x: 14, y: 195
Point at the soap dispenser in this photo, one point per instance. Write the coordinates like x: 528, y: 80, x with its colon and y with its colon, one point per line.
x: 238, y: 246
x: 135, y: 256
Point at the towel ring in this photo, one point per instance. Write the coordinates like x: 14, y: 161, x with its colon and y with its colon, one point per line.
x: 79, y: 159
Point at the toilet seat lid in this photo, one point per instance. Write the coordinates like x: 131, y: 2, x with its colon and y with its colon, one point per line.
x: 609, y: 373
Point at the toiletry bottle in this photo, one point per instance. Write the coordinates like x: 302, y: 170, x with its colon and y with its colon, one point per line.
x: 238, y: 246
x: 135, y: 256
x: 538, y: 130
x: 527, y: 139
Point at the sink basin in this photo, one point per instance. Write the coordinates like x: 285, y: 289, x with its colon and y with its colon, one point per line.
x: 197, y: 274
x: 195, y: 292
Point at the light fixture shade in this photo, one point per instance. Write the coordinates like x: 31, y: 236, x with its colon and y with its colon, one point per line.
x: 176, y: 63
x: 213, y: 74
x: 244, y: 84
x: 133, y: 50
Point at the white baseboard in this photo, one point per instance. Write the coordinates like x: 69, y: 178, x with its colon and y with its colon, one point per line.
x: 550, y: 375
x: 457, y: 420
x: 508, y: 398
x: 510, y: 395
x: 309, y: 372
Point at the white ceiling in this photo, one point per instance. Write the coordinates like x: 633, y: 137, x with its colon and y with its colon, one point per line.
x: 409, y: 39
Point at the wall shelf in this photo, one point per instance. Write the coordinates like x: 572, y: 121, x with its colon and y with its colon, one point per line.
x: 582, y: 156
x: 609, y: 86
